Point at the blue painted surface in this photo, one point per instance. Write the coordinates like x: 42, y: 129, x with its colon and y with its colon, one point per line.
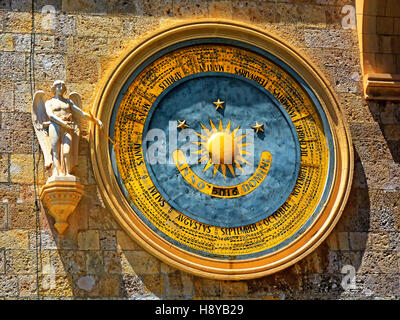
x: 245, y: 103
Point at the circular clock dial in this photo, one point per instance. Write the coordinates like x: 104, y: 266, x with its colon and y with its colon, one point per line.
x: 222, y: 149
x: 224, y: 152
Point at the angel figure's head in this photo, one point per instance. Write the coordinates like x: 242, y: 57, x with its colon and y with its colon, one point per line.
x: 58, y: 88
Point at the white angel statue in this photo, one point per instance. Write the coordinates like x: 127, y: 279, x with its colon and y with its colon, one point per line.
x: 56, y: 124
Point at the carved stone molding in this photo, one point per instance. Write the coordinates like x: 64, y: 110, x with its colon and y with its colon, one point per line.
x: 382, y: 86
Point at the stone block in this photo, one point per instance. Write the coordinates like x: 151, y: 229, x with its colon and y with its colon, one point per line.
x: 21, y: 168
x: 346, y: 80
x: 18, y: 22
x: 396, y: 27
x: 27, y: 286
x: 94, y: 262
x: 392, y: 8
x: 375, y: 8
x: 124, y: 242
x: 141, y: 286
x: 101, y: 218
x: 12, y: 120
x: 140, y: 263
x: 338, y: 241
x: 358, y: 240
x: 14, y: 239
x: 178, y: 284
x: 144, y: 8
x: 82, y: 68
x: 353, y: 108
x: 254, y: 11
x: 6, y: 42
x: 365, y: 130
x: 62, y: 286
x: 369, y: 24
x: 315, y: 38
x: 98, y: 26
x: 9, y: 286
x: 314, y: 263
x: 384, y: 25
x: 112, y: 262
x: 20, y: 261
x: 301, y: 14
x: 89, y: 240
x: 22, y: 142
x: 22, y: 216
x: 385, y: 63
x: 3, y: 167
x: 380, y: 241
x: 9, y: 193
x: 235, y: 289
x: 379, y: 262
x: 89, y: 46
x: 392, y: 131
x: 85, y: 6
x: 190, y: 9
x: 49, y: 67
x: 206, y: 287
x: 220, y: 9
x: 81, y: 170
x: 23, y: 98
x: 377, y: 175
x: 65, y: 24
x: 109, y: 285
x: 86, y: 286
x: 108, y: 240
x: 3, y: 216
x: 43, y: 43
x: 374, y: 149
x: 69, y: 261
x: 12, y: 67
x: 369, y: 62
x: 390, y: 114
x: 20, y: 5
x: 6, y: 96
x: 47, y: 240
x: 5, y: 139
x: 371, y: 43
x: 385, y: 44
x: 2, y: 262
x: 138, y: 26
x: 338, y: 259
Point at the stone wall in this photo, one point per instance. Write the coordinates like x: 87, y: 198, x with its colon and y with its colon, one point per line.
x: 96, y: 258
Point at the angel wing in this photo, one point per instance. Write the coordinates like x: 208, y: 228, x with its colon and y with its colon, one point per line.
x: 41, y: 122
x: 76, y: 100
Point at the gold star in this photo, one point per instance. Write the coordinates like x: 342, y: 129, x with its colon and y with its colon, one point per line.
x: 182, y: 124
x: 259, y: 127
x: 219, y: 104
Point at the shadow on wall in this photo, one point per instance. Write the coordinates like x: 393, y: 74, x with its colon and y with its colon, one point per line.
x: 387, y: 115
x: 96, y: 258
x: 319, y: 275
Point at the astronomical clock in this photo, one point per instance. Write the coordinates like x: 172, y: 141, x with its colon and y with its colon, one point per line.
x: 223, y: 151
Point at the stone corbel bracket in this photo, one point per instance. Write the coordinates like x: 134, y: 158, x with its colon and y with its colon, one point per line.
x: 61, y: 198
x: 382, y: 86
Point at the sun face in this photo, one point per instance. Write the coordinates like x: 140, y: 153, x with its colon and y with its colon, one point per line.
x: 221, y: 148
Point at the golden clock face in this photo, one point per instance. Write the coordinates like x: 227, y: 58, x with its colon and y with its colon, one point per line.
x: 222, y: 157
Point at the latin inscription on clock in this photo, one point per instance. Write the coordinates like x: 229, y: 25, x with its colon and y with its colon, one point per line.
x: 185, y: 231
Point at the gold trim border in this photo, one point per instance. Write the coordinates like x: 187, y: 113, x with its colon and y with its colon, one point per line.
x: 165, y: 251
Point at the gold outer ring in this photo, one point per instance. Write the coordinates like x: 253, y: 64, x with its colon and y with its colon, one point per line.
x: 206, y: 267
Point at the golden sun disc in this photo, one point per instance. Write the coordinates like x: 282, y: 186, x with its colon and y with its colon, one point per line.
x: 221, y: 148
